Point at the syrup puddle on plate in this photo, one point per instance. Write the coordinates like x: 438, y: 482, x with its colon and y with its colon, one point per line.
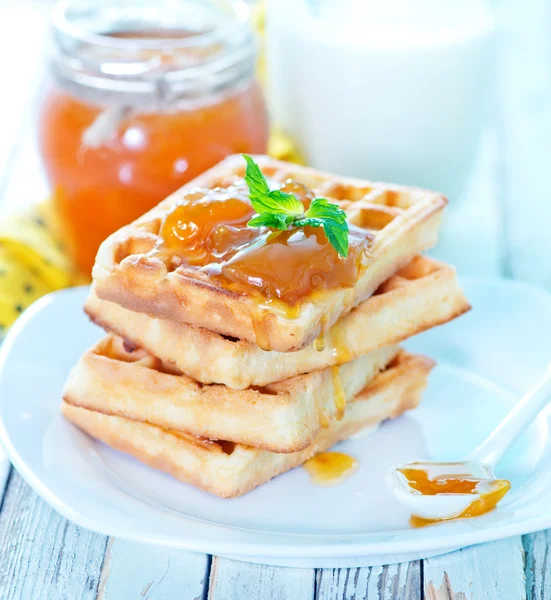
x: 330, y: 468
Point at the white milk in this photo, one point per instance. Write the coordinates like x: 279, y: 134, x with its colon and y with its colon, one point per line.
x: 395, y: 90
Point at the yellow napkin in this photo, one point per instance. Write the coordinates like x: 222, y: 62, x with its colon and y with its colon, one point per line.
x: 32, y: 261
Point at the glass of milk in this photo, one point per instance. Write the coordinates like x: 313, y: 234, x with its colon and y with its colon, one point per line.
x: 389, y: 90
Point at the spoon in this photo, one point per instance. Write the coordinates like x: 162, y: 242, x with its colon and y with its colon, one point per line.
x: 437, y: 491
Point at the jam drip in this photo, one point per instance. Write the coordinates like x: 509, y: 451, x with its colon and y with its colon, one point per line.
x: 340, y: 397
x: 208, y: 231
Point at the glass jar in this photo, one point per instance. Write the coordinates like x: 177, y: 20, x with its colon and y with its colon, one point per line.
x: 145, y: 96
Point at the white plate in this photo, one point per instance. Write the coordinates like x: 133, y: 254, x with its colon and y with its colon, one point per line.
x: 501, y: 346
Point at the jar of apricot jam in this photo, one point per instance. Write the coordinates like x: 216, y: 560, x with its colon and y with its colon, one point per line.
x: 144, y: 97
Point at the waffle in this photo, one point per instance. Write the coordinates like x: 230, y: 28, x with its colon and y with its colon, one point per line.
x: 280, y: 417
x: 422, y: 295
x: 230, y: 470
x: 133, y: 272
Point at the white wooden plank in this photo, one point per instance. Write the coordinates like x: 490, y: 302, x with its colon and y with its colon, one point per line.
x: 236, y: 580
x: 41, y: 554
x: 537, y: 547
x: 391, y: 582
x: 483, y: 572
x: 133, y: 570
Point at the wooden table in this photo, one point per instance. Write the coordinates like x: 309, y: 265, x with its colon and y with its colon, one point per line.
x: 501, y: 228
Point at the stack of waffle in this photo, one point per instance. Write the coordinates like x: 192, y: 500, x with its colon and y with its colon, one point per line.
x: 224, y: 389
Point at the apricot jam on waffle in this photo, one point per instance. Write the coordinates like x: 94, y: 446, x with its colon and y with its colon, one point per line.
x: 193, y: 260
x: 208, y: 231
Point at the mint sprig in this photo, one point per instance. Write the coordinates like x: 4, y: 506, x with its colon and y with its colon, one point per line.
x: 278, y: 210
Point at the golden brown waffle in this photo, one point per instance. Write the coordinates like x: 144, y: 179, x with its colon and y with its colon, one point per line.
x: 422, y: 295
x: 228, y: 469
x: 281, y: 417
x: 132, y: 272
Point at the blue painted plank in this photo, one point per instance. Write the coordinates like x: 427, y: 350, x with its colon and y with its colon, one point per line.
x: 42, y: 555
x: 537, y: 549
x: 492, y: 571
x: 236, y: 580
x: 133, y: 570
x: 391, y: 582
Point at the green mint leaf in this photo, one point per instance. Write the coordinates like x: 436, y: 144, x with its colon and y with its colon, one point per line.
x: 337, y: 236
x: 308, y: 222
x: 265, y: 200
x: 334, y: 223
x: 275, y: 221
x: 276, y: 202
x: 254, y: 178
x: 335, y: 231
x: 323, y: 209
x: 279, y: 210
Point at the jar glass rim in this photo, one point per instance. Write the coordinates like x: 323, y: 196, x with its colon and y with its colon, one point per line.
x: 63, y: 24
x: 156, y: 48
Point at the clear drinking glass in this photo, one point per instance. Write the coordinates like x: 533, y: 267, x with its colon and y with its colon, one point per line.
x: 398, y: 91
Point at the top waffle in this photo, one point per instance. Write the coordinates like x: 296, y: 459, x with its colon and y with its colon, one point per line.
x: 421, y: 295
x: 139, y: 268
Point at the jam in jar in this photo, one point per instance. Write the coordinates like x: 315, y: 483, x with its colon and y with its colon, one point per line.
x: 144, y: 97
